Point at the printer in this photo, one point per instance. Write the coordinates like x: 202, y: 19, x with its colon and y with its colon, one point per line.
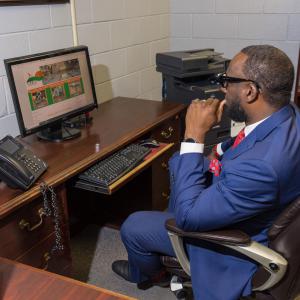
x: 187, y: 75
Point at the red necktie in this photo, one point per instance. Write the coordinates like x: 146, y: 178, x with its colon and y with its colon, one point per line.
x: 239, y: 138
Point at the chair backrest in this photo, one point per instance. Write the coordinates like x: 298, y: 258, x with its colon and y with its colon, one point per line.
x: 284, y: 239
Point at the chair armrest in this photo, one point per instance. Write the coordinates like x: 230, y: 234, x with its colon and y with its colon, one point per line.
x: 236, y: 240
x: 228, y: 237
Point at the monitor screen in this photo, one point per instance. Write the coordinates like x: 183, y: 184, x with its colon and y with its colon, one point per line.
x: 50, y: 87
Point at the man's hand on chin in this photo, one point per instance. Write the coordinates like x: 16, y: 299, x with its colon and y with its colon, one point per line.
x: 201, y: 116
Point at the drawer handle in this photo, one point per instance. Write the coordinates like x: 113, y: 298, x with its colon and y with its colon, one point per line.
x: 165, y: 166
x: 168, y: 133
x: 25, y: 224
x: 165, y: 195
x: 46, y: 258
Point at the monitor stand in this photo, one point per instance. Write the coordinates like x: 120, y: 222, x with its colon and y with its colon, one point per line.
x: 58, y: 133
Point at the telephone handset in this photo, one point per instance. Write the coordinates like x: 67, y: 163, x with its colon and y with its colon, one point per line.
x: 19, y: 167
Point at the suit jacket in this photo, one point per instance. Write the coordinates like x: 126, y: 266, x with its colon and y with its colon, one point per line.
x: 259, y: 178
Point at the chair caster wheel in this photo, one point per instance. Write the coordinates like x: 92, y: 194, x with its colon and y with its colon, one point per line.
x: 182, y: 290
x: 181, y: 295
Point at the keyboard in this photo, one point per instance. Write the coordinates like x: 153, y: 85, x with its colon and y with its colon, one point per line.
x: 110, y: 169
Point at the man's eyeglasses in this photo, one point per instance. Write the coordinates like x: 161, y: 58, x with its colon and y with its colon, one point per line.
x: 223, y: 80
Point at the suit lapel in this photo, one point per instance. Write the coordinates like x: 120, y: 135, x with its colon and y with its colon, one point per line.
x: 260, y: 132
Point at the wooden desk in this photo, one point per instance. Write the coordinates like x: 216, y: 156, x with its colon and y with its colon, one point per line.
x: 116, y: 123
x: 22, y: 282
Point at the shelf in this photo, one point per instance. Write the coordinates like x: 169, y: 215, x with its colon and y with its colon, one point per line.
x: 155, y: 153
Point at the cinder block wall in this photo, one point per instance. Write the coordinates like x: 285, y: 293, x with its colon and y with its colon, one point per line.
x: 123, y: 37
x: 229, y: 25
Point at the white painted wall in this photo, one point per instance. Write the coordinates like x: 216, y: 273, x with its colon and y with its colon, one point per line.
x: 229, y: 25
x: 123, y: 37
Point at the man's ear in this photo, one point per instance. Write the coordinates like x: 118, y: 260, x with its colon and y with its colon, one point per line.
x: 252, y: 92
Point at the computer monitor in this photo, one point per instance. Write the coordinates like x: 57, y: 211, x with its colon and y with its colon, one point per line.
x: 50, y: 87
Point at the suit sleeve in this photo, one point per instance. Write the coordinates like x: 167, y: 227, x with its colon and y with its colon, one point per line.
x: 245, y: 189
x: 173, y: 187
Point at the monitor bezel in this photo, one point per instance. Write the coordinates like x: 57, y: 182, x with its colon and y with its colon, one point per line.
x: 44, y: 55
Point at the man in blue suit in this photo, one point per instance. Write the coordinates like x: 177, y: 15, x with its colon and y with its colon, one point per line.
x: 254, y: 179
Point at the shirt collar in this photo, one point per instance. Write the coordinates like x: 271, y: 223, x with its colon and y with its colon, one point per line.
x: 248, y: 129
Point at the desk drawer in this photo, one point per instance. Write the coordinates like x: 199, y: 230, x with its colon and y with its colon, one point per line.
x: 42, y: 257
x: 161, y: 182
x: 168, y: 132
x: 24, y: 228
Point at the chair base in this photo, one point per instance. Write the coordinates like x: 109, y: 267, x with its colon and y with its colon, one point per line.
x: 182, y: 289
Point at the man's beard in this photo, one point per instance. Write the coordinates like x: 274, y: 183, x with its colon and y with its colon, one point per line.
x: 235, y: 112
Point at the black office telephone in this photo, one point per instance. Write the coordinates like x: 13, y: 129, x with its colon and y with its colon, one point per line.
x: 19, y: 167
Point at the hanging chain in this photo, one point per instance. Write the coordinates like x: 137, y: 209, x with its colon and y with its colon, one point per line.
x: 52, y: 208
x: 43, y: 189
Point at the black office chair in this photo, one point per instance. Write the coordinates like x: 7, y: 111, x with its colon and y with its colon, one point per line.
x: 278, y: 277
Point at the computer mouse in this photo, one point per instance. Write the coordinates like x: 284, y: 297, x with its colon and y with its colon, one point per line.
x: 151, y: 143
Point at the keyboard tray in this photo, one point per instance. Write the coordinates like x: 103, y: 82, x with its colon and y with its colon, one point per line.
x: 155, y: 153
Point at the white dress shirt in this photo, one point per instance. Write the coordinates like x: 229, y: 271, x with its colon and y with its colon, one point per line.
x: 199, y: 148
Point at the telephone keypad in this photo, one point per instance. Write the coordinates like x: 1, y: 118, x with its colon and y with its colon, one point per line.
x: 20, y: 167
x: 32, y: 162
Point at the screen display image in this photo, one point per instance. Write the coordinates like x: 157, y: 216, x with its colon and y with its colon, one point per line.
x: 51, y: 87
